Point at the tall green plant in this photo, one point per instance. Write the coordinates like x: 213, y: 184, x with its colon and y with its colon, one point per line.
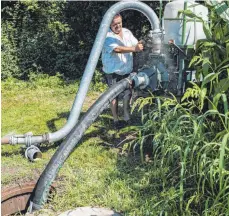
x: 211, y: 59
x: 193, y: 148
x: 188, y: 139
x: 36, y: 30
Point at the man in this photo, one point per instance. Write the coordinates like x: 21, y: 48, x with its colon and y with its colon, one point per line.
x: 117, y: 59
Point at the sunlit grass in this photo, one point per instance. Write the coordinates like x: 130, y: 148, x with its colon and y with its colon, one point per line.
x: 177, y: 163
x: 96, y: 173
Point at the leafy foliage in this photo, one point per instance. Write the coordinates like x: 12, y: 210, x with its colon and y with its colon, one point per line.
x: 9, y: 57
x: 56, y: 36
x: 211, y: 60
x: 189, y: 139
x: 194, y: 150
x: 187, y: 173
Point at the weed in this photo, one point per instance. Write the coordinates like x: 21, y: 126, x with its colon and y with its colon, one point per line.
x: 192, y: 148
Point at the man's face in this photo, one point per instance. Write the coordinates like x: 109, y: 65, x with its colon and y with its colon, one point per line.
x: 116, y: 25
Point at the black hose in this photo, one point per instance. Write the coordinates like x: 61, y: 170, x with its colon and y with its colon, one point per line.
x: 68, y: 145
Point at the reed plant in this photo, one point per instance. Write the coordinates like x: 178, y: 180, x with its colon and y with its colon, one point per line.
x: 194, y: 149
x: 189, y: 139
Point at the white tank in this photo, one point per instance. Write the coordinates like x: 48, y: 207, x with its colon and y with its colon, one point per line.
x: 173, y: 28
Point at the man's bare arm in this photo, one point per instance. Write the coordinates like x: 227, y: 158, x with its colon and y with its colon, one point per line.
x: 123, y: 49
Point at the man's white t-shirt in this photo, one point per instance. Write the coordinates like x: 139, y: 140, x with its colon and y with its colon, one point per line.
x: 119, y: 63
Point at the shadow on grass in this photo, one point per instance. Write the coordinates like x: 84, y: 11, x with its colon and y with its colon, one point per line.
x: 102, y: 127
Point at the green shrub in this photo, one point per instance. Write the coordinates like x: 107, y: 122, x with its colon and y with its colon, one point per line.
x: 49, y: 36
x: 11, y: 83
x: 98, y: 82
x: 194, y: 150
x: 44, y: 80
x: 9, y: 58
x: 211, y: 57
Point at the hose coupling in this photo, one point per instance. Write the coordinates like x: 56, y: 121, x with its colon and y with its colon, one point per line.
x: 141, y: 80
x: 21, y: 139
x: 28, y: 139
x: 32, y: 153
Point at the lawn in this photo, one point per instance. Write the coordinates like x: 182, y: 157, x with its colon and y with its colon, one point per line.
x: 179, y: 165
x: 98, y: 173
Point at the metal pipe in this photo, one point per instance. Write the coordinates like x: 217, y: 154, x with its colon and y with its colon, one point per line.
x: 94, y: 56
x: 5, y: 140
x: 181, y: 61
x: 181, y: 19
x: 27, y: 139
x: 184, y: 24
x: 160, y: 12
x: 91, y: 65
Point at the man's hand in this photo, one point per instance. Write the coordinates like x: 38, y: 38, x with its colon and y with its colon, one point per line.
x: 139, y: 47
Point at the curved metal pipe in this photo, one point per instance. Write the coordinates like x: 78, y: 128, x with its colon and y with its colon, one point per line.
x: 91, y: 65
x: 94, y: 56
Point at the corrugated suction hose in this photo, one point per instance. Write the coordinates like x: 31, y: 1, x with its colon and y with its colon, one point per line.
x: 68, y: 145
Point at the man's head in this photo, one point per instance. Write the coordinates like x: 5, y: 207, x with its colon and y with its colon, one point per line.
x: 116, y: 25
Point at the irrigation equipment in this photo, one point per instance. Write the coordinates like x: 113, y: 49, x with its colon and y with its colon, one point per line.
x: 154, y: 74
x: 159, y: 58
x: 29, y: 139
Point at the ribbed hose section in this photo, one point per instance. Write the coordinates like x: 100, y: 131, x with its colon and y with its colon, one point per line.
x: 68, y: 145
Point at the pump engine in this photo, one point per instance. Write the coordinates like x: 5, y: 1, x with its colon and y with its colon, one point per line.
x: 155, y: 64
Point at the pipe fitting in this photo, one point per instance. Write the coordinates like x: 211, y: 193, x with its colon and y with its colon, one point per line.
x: 17, y: 139
x: 71, y: 141
x: 5, y: 140
x: 28, y: 139
x: 32, y: 153
x: 141, y: 80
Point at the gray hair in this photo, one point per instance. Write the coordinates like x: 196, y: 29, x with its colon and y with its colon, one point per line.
x: 117, y: 15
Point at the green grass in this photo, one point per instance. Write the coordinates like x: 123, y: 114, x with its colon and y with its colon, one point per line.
x: 176, y: 163
x: 97, y: 173
x: 194, y: 149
